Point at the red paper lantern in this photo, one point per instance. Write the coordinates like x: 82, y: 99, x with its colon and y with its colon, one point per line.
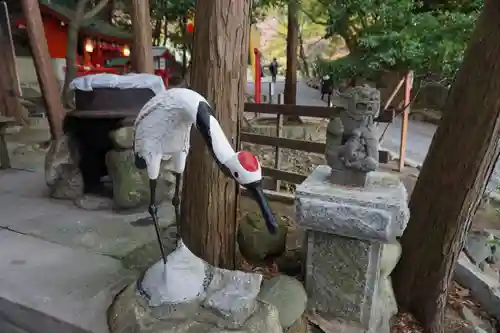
x: 190, y: 28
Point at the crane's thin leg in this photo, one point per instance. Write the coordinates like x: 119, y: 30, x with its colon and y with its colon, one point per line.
x: 176, y: 200
x: 153, y: 211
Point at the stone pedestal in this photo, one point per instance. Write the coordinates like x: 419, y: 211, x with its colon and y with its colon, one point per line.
x: 348, y: 230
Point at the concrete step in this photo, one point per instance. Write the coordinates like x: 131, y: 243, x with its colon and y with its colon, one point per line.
x: 47, y: 287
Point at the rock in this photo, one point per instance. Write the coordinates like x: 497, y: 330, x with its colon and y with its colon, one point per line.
x: 131, y: 185
x: 130, y: 314
x: 254, y: 240
x: 478, y: 325
x: 62, y: 173
x: 233, y: 294
x: 387, y: 306
x: 287, y: 295
x: 482, y: 287
x: 479, y: 246
x: 299, y: 326
x: 123, y: 138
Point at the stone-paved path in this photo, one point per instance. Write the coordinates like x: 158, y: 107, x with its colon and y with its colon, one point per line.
x: 61, y: 266
x: 419, y: 133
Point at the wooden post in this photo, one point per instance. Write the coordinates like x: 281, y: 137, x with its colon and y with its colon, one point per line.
x: 9, y: 82
x: 142, y: 47
x: 258, y: 80
x: 270, y: 93
x: 43, y: 66
x: 404, y: 125
x: 209, y: 198
x: 277, y: 154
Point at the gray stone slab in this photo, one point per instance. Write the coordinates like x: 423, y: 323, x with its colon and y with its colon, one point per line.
x: 378, y: 211
x: 105, y: 233
x: 483, y: 288
x: 46, y: 287
x: 342, y: 276
x: 7, y: 326
x: 26, y: 208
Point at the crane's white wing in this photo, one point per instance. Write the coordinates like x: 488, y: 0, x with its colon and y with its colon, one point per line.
x: 161, y: 130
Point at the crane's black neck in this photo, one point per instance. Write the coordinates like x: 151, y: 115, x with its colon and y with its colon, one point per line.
x: 203, y: 115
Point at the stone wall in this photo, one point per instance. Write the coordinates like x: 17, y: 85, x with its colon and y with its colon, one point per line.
x: 27, y: 72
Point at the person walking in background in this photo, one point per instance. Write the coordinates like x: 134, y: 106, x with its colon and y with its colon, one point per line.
x: 326, y: 87
x: 273, y: 68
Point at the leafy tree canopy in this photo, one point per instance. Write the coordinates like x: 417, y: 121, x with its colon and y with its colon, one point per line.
x: 397, y: 35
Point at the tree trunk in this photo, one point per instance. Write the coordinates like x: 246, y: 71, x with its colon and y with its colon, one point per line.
x: 141, y: 28
x: 165, y: 32
x: 72, y: 44
x: 292, y: 39
x: 303, y: 56
x: 43, y: 66
x: 71, y: 50
x: 157, y: 32
x: 453, y: 178
x: 182, y: 25
x: 107, y: 13
x: 209, y: 199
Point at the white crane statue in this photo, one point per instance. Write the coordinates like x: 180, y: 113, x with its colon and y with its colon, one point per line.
x: 162, y: 132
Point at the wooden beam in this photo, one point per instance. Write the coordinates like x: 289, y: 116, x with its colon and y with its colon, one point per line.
x: 292, y: 110
x: 307, y: 146
x: 282, y: 197
x: 43, y: 66
x: 142, y: 50
x: 291, y: 177
x: 9, y: 83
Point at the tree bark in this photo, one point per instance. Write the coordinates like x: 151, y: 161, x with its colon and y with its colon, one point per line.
x: 453, y: 178
x: 43, y: 66
x: 141, y: 28
x: 292, y: 39
x: 157, y: 31
x: 72, y: 44
x: 182, y: 25
x: 209, y: 199
x: 108, y: 13
x: 71, y: 47
x: 9, y: 83
x: 303, y: 56
x: 165, y: 32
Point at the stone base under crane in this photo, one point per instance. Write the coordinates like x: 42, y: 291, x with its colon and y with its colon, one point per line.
x: 199, y: 298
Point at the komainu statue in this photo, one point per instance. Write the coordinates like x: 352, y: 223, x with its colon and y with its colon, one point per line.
x: 351, y: 141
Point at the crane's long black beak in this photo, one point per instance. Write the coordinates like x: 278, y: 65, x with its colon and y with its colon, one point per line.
x: 260, y: 198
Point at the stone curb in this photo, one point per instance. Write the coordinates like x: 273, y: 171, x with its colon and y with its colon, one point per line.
x: 492, y: 195
x: 313, y: 85
x: 483, y: 289
x: 408, y: 161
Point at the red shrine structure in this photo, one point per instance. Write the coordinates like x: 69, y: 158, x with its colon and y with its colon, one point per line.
x: 164, y: 63
x: 98, y: 40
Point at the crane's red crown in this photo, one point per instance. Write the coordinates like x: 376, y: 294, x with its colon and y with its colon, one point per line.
x: 248, y: 161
